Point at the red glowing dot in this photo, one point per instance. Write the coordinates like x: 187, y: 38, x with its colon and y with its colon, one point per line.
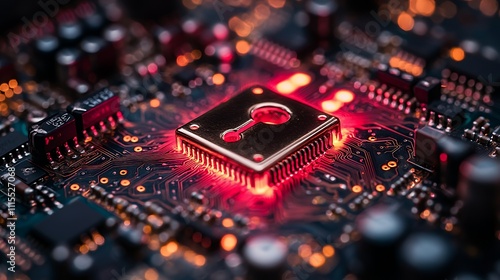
x: 300, y: 79
x: 152, y: 68
x: 443, y: 157
x: 344, y: 96
x: 331, y: 105
x: 286, y: 87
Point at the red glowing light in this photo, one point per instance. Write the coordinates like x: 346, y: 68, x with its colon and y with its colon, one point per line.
x: 152, y: 68
x: 443, y: 157
x: 344, y: 96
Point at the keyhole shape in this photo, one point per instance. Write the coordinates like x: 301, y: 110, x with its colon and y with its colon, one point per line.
x: 268, y: 113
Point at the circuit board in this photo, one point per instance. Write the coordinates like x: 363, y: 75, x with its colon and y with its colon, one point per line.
x: 239, y: 139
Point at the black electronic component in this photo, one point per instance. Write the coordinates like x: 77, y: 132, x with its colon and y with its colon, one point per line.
x: 28, y: 172
x: 78, y: 219
x: 426, y: 147
x: 7, y: 68
x: 452, y: 152
x: 477, y: 68
x: 426, y: 48
x: 69, y: 64
x: 265, y: 256
x: 427, y: 90
x: 321, y: 20
x: 394, y: 77
x: 100, y: 58
x: 44, y: 56
x: 200, y: 237
x: 70, y: 33
x: 13, y: 146
x: 99, y: 110
x: 444, y: 114
x: 382, y: 230
x: 479, y: 189
x: 426, y: 256
x: 54, y: 137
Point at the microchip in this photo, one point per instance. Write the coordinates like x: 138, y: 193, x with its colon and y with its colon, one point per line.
x: 96, y: 111
x: 478, y: 68
x: 69, y: 224
x: 28, y: 172
x: 259, y: 137
x: 52, y: 135
x: 12, y: 146
x: 424, y: 47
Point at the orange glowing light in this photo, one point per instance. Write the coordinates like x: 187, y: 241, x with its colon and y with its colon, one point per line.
x: 457, y: 54
x: 154, y: 103
x: 380, y: 188
x: 9, y: 93
x: 305, y: 251
x: 317, y: 260
x: 18, y: 90
x: 227, y: 223
x: 344, y: 96
x: 257, y: 91
x: 405, y: 21
x: 328, y: 251
x: 300, y: 79
x: 425, y: 7
x: 4, y: 87
x: 169, y: 249
x: 199, y: 260
x: 228, y: 242
x: 357, y: 188
x: 242, y: 47
x: 286, y: 87
x: 277, y: 3
x: 218, y: 79
x: 331, y: 106
x: 125, y: 182
x: 182, y: 60
x: 13, y: 83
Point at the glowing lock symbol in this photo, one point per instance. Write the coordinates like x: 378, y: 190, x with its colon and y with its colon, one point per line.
x: 268, y: 113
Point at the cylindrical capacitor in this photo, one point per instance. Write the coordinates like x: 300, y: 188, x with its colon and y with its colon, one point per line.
x: 452, y: 152
x: 44, y: 56
x: 321, y: 17
x: 382, y: 230
x: 70, y: 33
x: 99, y: 58
x: 265, y: 257
x: 479, y: 189
x: 69, y: 64
x: 426, y: 256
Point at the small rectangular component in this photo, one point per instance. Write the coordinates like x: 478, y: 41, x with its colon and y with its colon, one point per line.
x: 13, y: 145
x: 394, y: 77
x: 69, y: 224
x: 52, y: 135
x: 28, y: 172
x: 94, y: 110
x: 23, y: 192
x: 427, y: 90
x: 426, y: 145
x: 259, y: 137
